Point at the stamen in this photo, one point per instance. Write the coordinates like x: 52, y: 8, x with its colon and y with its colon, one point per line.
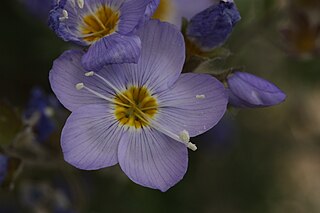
x: 79, y: 86
x: 89, y: 74
x: 95, y: 17
x: 182, y: 138
x: 80, y: 3
x: 64, y: 15
x: 200, y: 96
x: 109, y: 84
x: 184, y: 135
x: 192, y: 146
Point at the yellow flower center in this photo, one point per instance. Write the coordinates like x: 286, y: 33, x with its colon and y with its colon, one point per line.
x: 163, y: 11
x: 135, y: 106
x: 99, y: 24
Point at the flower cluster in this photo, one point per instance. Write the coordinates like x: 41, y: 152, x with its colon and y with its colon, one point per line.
x: 130, y: 103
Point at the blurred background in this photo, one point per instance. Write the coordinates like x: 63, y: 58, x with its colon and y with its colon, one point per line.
x: 255, y: 160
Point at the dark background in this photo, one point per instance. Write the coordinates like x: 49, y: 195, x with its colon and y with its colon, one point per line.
x: 256, y: 161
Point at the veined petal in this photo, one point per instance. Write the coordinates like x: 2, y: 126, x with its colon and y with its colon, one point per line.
x: 195, y: 103
x: 112, y: 49
x: 90, y: 137
x: 247, y: 90
x: 66, y: 73
x: 161, y: 60
x: 66, y: 27
x: 151, y: 8
x: 132, y: 11
x: 152, y: 159
x: 162, y: 56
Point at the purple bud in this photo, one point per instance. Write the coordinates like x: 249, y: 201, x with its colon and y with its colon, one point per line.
x: 249, y: 91
x: 212, y: 27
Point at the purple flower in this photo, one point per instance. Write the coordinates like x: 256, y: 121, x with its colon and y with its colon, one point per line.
x: 247, y: 90
x: 212, y: 27
x: 138, y: 115
x: 106, y: 26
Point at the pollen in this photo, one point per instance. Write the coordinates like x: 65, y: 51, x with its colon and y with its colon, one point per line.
x: 99, y: 23
x: 135, y: 106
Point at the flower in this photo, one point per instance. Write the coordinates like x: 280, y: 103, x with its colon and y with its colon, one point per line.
x: 247, y: 90
x: 105, y: 26
x: 39, y: 112
x: 173, y: 11
x: 138, y: 115
x: 212, y: 27
x: 3, y: 167
x: 38, y: 8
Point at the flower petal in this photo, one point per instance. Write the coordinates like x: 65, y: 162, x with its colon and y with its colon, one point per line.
x: 67, y: 28
x: 161, y: 60
x: 151, y: 8
x: 112, y: 49
x: 248, y: 90
x: 163, y: 54
x: 90, y: 137
x: 66, y: 73
x: 132, y: 11
x: 152, y: 159
x: 195, y: 103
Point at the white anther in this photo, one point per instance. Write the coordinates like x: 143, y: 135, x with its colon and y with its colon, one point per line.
x: 80, y: 3
x: 64, y: 15
x: 192, y: 146
x: 184, y: 136
x: 200, y: 96
x: 89, y: 74
x: 79, y: 86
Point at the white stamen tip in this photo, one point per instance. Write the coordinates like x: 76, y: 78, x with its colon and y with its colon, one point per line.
x: 89, y: 74
x: 200, y: 96
x: 65, y: 15
x: 192, y: 146
x: 184, y: 136
x: 79, y: 86
x: 80, y: 3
